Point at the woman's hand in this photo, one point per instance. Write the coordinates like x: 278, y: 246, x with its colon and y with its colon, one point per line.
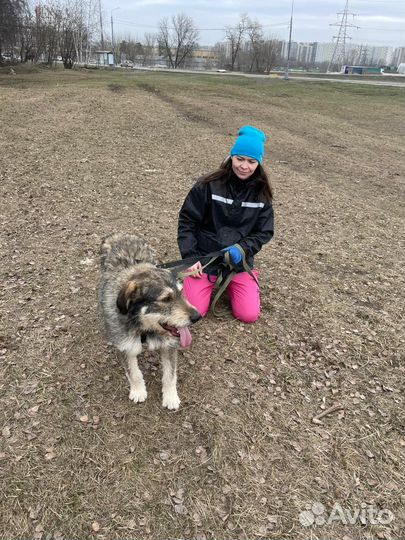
x: 234, y: 254
x: 196, y: 269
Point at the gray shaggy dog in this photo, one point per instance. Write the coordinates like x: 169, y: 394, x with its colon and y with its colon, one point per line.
x: 141, y: 303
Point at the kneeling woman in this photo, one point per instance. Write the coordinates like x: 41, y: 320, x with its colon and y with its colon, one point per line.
x: 232, y: 205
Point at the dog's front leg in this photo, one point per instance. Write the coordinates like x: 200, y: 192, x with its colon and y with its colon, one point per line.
x: 171, y: 399
x: 137, y: 390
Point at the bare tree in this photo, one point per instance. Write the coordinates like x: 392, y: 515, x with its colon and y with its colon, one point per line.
x: 128, y: 49
x: 148, y: 48
x: 254, y: 32
x: 11, y: 15
x: 220, y: 52
x: 47, y: 29
x: 270, y: 55
x: 235, y: 37
x: 177, y: 43
x: 68, y: 33
x: 27, y: 38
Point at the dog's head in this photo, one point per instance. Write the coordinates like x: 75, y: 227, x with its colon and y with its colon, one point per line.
x: 151, y: 300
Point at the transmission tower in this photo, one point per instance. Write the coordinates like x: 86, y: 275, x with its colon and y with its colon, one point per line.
x: 340, y: 50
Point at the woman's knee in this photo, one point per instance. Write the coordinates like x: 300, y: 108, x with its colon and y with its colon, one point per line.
x: 198, y: 297
x: 247, y: 316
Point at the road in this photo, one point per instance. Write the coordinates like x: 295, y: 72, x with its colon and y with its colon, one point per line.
x: 292, y: 77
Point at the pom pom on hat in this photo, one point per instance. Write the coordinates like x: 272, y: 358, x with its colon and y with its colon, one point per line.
x: 250, y: 143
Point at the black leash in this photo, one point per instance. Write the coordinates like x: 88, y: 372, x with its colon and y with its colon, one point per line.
x: 186, y: 263
x: 224, y: 277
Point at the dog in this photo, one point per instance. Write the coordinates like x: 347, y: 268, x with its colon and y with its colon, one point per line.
x: 141, y: 303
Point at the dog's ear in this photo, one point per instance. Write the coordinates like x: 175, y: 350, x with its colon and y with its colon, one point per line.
x: 128, y: 294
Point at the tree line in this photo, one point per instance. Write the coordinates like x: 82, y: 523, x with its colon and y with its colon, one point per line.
x: 70, y: 31
x: 53, y: 29
x: 244, y: 48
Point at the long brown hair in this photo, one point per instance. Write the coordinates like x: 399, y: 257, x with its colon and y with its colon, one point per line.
x: 225, y: 173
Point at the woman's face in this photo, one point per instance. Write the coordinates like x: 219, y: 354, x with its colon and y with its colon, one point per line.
x: 244, y: 166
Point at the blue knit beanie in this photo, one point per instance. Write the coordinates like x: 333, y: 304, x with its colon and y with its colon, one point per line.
x: 250, y: 143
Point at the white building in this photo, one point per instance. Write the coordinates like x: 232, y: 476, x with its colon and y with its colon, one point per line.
x: 398, y: 56
x: 293, y: 50
x: 380, y: 55
x: 306, y: 52
x: 357, y: 54
x: 324, y: 52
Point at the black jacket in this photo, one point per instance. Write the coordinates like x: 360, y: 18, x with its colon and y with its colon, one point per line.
x: 219, y: 214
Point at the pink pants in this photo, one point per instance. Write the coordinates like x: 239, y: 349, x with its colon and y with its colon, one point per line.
x: 243, y: 293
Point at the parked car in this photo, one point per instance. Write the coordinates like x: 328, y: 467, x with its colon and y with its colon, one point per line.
x: 127, y: 64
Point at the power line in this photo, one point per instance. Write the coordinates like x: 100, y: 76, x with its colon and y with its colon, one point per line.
x: 380, y: 29
x: 137, y: 25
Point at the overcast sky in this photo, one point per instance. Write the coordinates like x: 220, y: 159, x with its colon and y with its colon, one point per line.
x: 381, y: 22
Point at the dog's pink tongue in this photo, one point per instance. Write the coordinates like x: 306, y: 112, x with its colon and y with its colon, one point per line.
x: 185, y: 337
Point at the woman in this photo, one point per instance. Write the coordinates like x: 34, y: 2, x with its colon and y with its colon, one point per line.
x: 232, y: 205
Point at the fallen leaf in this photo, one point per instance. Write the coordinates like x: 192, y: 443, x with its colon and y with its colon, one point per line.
x: 95, y: 526
x: 33, y: 411
x: 39, y: 531
x: 33, y: 512
x: 202, y: 453
x: 180, y: 509
x: 131, y: 524
x: 50, y: 453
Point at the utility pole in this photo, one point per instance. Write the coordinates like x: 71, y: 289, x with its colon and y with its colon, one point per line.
x: 112, y: 34
x: 101, y: 25
x: 340, y: 52
x: 286, y: 77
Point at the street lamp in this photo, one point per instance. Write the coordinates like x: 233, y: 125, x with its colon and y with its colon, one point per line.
x: 289, y: 42
x: 112, y: 33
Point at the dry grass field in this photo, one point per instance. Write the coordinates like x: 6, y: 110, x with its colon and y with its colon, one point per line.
x: 86, y: 153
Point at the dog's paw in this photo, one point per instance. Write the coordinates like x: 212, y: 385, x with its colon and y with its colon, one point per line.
x: 138, y: 394
x: 171, y: 401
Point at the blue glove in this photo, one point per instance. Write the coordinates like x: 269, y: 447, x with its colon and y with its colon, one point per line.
x: 234, y: 253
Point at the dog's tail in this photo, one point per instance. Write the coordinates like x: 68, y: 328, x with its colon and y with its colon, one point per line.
x: 105, y: 249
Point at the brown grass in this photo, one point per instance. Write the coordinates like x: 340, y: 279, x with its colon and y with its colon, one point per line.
x: 86, y: 153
